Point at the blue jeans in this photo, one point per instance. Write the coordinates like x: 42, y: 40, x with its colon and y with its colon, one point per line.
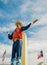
x: 16, y: 50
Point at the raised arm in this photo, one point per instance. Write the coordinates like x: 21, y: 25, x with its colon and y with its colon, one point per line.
x: 25, y: 27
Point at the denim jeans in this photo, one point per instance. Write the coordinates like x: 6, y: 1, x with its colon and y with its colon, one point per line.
x: 16, y: 50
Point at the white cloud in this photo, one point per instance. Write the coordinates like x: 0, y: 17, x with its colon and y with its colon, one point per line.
x: 5, y: 1
x: 9, y: 27
x: 3, y: 47
x: 36, y: 9
x: 41, y: 34
x: 38, y: 6
x: 34, y: 47
x: 3, y: 29
x: 24, y: 7
x: 43, y: 19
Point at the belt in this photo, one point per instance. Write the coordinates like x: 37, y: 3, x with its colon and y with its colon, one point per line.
x: 17, y: 39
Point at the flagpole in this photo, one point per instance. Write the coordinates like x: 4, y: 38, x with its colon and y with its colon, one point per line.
x: 3, y: 57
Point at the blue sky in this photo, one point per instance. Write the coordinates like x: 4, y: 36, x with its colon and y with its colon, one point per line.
x: 25, y: 11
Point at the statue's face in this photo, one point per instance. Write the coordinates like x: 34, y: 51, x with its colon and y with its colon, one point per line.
x: 19, y: 26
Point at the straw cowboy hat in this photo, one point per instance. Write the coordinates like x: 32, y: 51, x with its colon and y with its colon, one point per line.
x: 18, y: 23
